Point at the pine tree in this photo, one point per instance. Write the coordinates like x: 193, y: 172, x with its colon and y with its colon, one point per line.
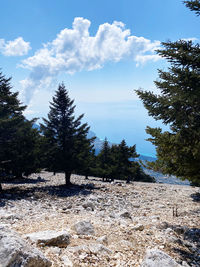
x: 124, y: 164
x: 10, y: 115
x: 66, y: 138
x: 87, y: 164
x: 193, y: 5
x: 118, y: 162
x: 124, y: 161
x: 25, y: 150
x: 17, y: 137
x: 104, y: 162
x: 177, y: 105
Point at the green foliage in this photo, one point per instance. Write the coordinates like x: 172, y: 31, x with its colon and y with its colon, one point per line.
x: 104, y: 162
x: 87, y: 160
x: 10, y: 116
x: 17, y: 137
x: 123, y: 161
x: 117, y: 162
x: 193, y: 5
x: 66, y: 144
x: 177, y: 105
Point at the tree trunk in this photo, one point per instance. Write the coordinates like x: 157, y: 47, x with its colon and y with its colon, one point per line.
x: 1, y: 189
x: 86, y: 177
x: 67, y: 178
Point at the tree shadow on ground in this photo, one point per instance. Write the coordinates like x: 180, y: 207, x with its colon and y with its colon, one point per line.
x: 2, y: 202
x: 190, y: 241
x: 36, y: 193
x: 196, y: 197
x: 24, y: 181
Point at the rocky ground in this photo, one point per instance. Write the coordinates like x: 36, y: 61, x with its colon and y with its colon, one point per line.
x: 104, y: 224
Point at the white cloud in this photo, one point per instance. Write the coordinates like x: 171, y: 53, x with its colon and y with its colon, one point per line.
x: 142, y: 59
x: 17, y: 47
x: 75, y: 50
x: 193, y: 39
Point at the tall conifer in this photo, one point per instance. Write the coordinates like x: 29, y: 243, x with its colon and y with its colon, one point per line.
x: 66, y: 136
x: 17, y: 136
x: 177, y: 105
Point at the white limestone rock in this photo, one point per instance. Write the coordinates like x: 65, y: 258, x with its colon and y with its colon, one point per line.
x: 84, y: 228
x: 99, y: 249
x: 14, y: 251
x: 50, y: 238
x: 157, y: 258
x: 102, y: 240
x: 66, y: 262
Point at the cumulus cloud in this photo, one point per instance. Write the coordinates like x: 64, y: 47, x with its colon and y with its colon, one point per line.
x: 17, y: 47
x: 75, y: 50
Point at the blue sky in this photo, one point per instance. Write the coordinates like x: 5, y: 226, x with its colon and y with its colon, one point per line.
x: 101, y: 50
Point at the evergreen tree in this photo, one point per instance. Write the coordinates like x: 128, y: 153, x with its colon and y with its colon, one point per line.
x: 17, y: 138
x: 124, y: 156
x: 193, y: 5
x: 177, y: 105
x: 104, y: 162
x: 10, y: 116
x: 66, y: 138
x: 25, y: 150
x: 87, y: 165
x: 118, y: 162
x: 86, y: 157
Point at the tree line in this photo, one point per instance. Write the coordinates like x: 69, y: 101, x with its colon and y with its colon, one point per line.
x: 59, y: 145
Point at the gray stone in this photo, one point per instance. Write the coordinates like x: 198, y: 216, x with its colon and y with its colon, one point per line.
x: 136, y: 205
x: 138, y: 227
x: 50, y: 238
x: 93, y: 198
x: 78, y: 249
x: 168, y: 231
x: 99, y: 249
x: 69, y: 206
x: 15, y: 252
x: 179, y: 229
x: 103, y: 240
x: 157, y: 258
x: 163, y: 225
x: 84, y: 228
x: 89, y: 204
x: 126, y: 214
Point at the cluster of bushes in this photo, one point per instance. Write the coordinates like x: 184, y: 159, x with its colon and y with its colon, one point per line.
x: 59, y: 144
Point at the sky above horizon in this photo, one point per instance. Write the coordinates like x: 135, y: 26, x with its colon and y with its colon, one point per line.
x: 101, y: 50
